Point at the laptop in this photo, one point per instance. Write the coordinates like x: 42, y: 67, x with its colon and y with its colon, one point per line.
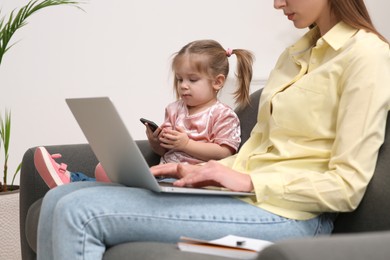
x: 118, y: 152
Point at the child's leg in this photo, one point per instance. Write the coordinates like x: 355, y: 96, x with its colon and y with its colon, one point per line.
x: 52, y: 173
x: 79, y: 176
x: 100, y: 174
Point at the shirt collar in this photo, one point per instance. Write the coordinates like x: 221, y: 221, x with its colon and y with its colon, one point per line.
x: 335, y: 37
x: 339, y: 35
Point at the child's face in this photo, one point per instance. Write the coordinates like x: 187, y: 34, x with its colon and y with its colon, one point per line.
x: 196, y: 89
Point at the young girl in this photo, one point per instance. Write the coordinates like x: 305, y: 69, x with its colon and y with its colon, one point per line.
x: 197, y: 127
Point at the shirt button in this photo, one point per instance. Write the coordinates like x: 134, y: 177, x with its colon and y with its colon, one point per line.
x: 313, y: 61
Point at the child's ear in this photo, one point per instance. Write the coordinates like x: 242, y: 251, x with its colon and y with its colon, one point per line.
x: 219, y: 81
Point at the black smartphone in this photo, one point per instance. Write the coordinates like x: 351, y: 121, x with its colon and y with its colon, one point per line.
x: 152, y: 125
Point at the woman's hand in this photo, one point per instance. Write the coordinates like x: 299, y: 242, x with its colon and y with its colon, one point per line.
x: 165, y: 170
x: 210, y: 173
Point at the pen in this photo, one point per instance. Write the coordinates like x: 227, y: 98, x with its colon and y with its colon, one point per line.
x: 240, y: 242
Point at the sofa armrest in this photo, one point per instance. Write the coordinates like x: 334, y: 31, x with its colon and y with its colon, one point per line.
x: 79, y: 157
x: 361, y: 246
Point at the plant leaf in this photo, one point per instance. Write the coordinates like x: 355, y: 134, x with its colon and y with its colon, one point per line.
x: 16, y: 173
x: 15, y: 22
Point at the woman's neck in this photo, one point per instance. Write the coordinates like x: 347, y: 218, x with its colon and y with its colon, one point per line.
x: 326, y: 24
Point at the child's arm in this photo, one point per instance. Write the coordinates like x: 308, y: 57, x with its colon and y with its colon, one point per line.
x: 207, y: 151
x: 179, y: 140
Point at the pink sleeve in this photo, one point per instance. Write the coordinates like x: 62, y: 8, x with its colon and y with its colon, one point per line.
x: 170, y: 115
x: 226, y: 128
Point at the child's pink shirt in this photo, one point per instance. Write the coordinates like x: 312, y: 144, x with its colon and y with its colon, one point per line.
x: 218, y: 124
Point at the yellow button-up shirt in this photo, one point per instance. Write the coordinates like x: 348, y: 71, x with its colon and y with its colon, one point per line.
x: 321, y: 121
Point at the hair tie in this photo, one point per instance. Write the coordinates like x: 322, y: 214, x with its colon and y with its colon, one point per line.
x: 229, y: 52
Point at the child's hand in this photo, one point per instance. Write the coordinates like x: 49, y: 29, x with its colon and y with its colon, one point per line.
x: 154, y: 140
x: 174, y: 139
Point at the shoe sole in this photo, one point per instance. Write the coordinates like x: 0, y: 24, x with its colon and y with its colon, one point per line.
x: 47, y: 171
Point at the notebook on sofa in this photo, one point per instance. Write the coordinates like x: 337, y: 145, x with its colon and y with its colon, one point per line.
x: 118, y: 152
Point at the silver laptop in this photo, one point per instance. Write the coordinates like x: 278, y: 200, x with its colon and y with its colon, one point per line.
x: 118, y: 152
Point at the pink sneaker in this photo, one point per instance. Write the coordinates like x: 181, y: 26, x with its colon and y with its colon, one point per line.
x: 100, y: 174
x: 52, y: 173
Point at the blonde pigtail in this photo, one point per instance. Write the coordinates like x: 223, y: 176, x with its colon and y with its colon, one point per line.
x: 244, y: 74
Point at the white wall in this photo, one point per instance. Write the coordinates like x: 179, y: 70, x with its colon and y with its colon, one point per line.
x: 122, y: 49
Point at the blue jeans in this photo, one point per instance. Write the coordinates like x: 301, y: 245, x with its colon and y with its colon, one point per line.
x: 79, y: 220
x: 78, y: 176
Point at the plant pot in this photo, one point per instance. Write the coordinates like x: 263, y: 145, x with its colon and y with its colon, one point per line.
x: 9, y: 225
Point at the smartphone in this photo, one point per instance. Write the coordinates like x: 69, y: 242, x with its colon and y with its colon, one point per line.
x: 152, y: 125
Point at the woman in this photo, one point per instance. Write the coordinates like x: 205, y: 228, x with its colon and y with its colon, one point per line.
x: 322, y: 117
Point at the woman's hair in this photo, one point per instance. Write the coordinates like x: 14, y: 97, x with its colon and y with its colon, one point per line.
x: 209, y: 57
x: 354, y: 13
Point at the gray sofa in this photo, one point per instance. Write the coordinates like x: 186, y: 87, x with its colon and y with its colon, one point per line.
x: 361, y: 235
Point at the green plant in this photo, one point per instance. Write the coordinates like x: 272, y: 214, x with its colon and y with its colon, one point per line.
x: 8, y: 26
x: 5, y: 136
x: 17, y: 20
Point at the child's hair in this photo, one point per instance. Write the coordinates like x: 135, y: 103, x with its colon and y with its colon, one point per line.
x: 209, y: 57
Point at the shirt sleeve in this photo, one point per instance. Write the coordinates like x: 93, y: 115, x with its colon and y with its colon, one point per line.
x: 170, y: 115
x: 226, y: 128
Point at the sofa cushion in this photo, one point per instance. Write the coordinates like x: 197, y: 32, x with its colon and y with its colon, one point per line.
x: 366, y: 246
x: 373, y: 213
x: 248, y: 115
